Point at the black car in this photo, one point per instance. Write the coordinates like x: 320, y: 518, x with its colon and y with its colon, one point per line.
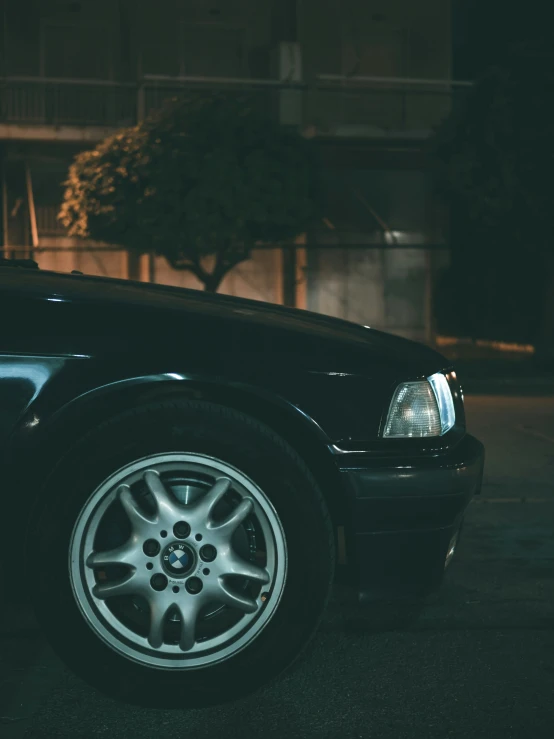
x: 179, y: 471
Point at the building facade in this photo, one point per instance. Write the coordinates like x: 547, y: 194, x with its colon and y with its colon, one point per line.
x: 368, y: 79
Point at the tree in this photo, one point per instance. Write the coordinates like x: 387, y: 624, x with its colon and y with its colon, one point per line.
x: 205, y: 177
x: 495, y: 158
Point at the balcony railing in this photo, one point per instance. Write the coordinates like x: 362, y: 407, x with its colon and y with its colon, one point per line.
x: 375, y: 105
x: 54, y: 102
x: 331, y: 105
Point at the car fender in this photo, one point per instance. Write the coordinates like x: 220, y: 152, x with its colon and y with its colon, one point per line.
x: 65, y: 405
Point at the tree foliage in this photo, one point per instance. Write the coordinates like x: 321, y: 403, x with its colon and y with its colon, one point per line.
x: 494, y: 160
x: 203, y: 177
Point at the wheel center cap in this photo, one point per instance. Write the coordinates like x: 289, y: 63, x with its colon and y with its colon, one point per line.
x: 178, y: 559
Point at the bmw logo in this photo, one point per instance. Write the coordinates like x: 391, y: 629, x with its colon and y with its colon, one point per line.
x: 178, y: 559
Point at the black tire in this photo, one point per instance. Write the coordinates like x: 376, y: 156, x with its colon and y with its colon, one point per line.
x: 253, y: 448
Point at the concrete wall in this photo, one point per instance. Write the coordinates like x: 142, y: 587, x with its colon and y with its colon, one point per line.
x: 219, y: 38
x: 376, y: 37
x: 51, y: 39
x: 384, y: 285
x: 121, y: 41
x: 260, y: 278
x: 96, y: 261
x: 383, y: 289
x: 105, y: 39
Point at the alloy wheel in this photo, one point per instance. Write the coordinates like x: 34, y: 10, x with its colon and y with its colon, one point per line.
x: 178, y: 561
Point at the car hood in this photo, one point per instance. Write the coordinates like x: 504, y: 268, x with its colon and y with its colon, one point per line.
x: 288, y: 325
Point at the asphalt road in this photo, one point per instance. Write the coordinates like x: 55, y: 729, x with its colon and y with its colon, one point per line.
x: 477, y: 662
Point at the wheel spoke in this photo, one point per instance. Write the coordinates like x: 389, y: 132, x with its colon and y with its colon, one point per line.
x: 123, y: 555
x: 127, y: 586
x: 139, y: 520
x: 158, y: 611
x: 206, y: 504
x: 230, y: 524
x: 236, y: 600
x: 164, y: 502
x: 235, y: 565
x: 188, y: 626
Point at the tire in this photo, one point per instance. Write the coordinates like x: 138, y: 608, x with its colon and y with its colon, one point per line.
x: 289, y: 522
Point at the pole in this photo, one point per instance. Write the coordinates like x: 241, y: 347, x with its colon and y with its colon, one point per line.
x: 148, y: 270
x: 5, y: 230
x: 429, y: 327
x: 31, y: 204
x: 301, y: 277
x: 289, y: 276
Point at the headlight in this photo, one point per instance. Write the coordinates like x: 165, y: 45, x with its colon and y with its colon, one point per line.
x: 422, y: 408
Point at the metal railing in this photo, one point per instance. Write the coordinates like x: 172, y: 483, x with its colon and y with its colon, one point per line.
x: 47, y: 221
x: 366, y: 105
x: 332, y: 104
x: 54, y: 102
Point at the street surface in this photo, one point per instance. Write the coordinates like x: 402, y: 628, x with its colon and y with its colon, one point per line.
x: 477, y: 662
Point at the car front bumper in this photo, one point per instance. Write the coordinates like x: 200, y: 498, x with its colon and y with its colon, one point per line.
x: 405, y: 518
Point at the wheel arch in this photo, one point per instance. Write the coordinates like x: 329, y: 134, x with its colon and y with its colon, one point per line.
x: 73, y: 420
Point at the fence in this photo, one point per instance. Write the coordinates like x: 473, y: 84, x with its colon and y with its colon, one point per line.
x: 330, y: 105
x: 67, y: 102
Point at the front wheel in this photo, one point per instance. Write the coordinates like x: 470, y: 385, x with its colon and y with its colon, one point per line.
x: 191, y: 555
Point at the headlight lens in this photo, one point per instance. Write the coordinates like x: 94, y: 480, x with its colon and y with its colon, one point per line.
x: 421, y: 409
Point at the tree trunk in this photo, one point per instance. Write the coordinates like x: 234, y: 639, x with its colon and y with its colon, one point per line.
x: 223, y: 265
x: 212, y: 283
x: 211, y: 280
